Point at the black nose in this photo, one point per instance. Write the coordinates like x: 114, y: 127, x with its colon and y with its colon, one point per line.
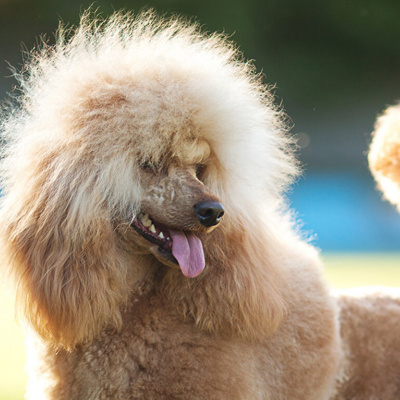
x: 209, y: 212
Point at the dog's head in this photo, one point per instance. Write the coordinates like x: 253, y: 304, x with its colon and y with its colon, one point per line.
x: 131, y: 142
x: 384, y: 154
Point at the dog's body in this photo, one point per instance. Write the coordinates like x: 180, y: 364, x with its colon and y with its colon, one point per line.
x: 369, y: 331
x: 158, y: 356
x: 132, y: 140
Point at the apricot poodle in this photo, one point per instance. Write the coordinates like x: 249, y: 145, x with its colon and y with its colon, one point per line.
x: 384, y: 155
x: 144, y: 223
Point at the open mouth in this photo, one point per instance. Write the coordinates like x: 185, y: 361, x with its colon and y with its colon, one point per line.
x: 153, y: 232
x: 183, y: 247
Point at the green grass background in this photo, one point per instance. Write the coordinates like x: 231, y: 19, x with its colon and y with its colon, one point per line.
x: 341, y: 270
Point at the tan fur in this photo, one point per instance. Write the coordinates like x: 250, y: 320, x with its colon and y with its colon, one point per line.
x: 369, y: 320
x: 113, y: 122
x: 384, y: 155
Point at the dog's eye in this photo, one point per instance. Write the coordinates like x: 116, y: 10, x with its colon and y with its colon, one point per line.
x: 200, y: 168
x: 149, y: 166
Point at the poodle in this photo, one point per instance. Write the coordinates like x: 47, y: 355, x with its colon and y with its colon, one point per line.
x: 144, y: 222
x: 384, y: 155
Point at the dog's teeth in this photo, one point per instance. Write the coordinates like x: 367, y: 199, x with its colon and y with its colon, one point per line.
x: 152, y: 228
x: 161, y: 235
x: 146, y: 221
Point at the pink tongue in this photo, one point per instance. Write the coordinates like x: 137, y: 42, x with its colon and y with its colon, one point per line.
x: 188, y: 251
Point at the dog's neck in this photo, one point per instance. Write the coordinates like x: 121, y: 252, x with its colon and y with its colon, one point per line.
x: 240, y: 292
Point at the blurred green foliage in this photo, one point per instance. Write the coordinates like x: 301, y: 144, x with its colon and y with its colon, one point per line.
x: 336, y: 64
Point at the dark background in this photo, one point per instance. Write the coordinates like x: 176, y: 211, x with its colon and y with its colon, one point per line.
x: 335, y: 66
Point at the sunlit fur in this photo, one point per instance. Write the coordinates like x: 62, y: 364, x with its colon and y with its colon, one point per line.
x: 113, y: 320
x: 384, y: 155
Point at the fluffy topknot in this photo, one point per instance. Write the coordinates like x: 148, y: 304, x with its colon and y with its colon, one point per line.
x: 384, y: 155
x: 124, y: 51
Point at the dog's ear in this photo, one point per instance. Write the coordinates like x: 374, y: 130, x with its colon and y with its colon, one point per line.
x: 60, y: 245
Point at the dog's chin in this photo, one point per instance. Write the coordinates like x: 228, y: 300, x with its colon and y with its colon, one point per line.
x: 164, y: 256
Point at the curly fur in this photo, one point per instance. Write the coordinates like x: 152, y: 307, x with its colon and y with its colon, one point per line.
x: 82, y: 138
x: 112, y: 121
x: 384, y: 155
